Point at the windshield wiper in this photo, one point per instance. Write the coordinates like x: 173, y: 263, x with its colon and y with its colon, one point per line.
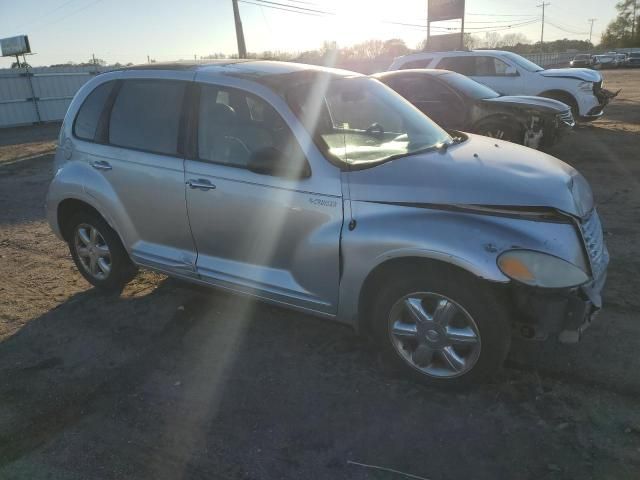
x: 443, y: 146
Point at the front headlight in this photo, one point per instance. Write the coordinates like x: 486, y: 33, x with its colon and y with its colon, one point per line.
x: 586, y: 86
x: 538, y: 269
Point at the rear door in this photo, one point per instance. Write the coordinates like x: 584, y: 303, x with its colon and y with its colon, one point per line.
x: 273, y: 236
x: 139, y: 154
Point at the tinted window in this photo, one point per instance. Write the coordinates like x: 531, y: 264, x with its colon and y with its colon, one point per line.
x: 230, y: 131
x: 423, y: 63
x: 146, y: 115
x: 89, y: 114
x: 469, y: 87
x: 463, y: 65
x: 422, y: 89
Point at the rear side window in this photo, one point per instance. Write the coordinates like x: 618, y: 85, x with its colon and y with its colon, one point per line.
x: 422, y: 63
x: 463, y: 65
x: 146, y: 115
x: 86, y: 122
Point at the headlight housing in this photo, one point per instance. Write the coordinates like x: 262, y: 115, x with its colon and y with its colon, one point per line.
x: 538, y: 269
x: 586, y: 86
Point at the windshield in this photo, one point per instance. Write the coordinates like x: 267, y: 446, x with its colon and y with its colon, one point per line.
x: 358, y: 120
x: 582, y: 57
x: 469, y: 87
x: 523, y: 62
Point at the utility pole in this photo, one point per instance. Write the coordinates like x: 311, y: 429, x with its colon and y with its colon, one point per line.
x: 591, y: 29
x: 543, y: 4
x: 242, y: 49
x: 635, y: 19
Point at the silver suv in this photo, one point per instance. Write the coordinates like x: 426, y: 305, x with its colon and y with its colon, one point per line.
x: 324, y: 191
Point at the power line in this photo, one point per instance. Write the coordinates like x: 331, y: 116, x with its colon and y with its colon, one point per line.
x: 499, y: 15
x: 555, y: 24
x: 302, y: 9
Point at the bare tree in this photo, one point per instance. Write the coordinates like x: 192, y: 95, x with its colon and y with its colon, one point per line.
x: 513, y: 39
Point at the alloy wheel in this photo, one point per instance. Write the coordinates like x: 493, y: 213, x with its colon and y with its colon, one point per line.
x: 93, y: 251
x: 434, y: 335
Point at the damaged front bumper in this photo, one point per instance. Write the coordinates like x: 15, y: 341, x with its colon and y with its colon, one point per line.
x: 604, y: 96
x: 564, y: 313
x: 543, y: 131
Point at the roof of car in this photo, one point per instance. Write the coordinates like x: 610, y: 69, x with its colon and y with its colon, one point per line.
x: 420, y: 71
x: 242, y: 67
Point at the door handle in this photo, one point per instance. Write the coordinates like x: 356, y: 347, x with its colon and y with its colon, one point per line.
x: 101, y: 165
x: 201, y: 184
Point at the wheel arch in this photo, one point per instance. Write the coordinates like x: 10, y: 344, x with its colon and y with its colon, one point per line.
x: 562, y: 96
x: 402, y: 265
x: 69, y: 207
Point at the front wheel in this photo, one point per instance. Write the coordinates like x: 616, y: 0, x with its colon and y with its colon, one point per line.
x: 444, y: 329
x: 98, y: 253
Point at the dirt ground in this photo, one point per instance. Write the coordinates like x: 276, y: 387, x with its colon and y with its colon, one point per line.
x: 170, y: 381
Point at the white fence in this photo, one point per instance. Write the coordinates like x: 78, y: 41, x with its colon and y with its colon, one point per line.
x: 34, y: 95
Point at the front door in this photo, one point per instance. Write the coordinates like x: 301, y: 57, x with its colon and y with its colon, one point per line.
x: 434, y: 99
x: 273, y: 236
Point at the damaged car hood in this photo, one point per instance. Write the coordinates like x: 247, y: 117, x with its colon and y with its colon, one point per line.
x: 531, y: 101
x: 585, y: 74
x: 478, y: 172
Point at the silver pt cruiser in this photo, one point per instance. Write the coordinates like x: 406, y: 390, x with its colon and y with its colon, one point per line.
x: 324, y: 191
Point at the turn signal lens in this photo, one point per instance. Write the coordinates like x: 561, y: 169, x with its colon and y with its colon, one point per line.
x: 539, y: 269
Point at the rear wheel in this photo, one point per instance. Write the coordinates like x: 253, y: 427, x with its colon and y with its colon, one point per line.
x: 502, y: 130
x: 445, y: 328
x: 98, y: 253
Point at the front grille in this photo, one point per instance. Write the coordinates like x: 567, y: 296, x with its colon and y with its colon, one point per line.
x: 566, y: 117
x: 594, y: 243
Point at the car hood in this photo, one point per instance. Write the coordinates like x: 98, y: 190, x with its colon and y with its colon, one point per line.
x: 480, y: 171
x: 529, y: 101
x: 585, y: 74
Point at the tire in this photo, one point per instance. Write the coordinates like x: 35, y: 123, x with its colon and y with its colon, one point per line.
x: 112, y: 268
x: 501, y: 130
x: 424, y: 357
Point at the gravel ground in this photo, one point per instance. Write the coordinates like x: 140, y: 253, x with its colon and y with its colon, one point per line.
x: 171, y: 381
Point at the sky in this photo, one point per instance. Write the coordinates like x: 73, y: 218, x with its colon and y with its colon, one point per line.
x: 128, y: 30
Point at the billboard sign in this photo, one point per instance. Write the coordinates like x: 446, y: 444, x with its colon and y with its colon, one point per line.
x: 445, y: 10
x: 443, y: 43
x: 12, y: 46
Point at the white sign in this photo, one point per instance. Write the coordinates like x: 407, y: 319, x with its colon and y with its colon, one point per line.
x: 15, y: 45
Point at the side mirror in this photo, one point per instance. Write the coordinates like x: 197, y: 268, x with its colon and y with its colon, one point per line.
x: 271, y: 161
x: 511, y: 71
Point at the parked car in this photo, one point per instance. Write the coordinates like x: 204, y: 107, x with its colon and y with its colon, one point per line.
x: 582, y: 60
x: 606, y: 61
x: 510, y: 74
x: 621, y: 58
x: 324, y: 191
x: 633, y: 59
x: 454, y: 101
